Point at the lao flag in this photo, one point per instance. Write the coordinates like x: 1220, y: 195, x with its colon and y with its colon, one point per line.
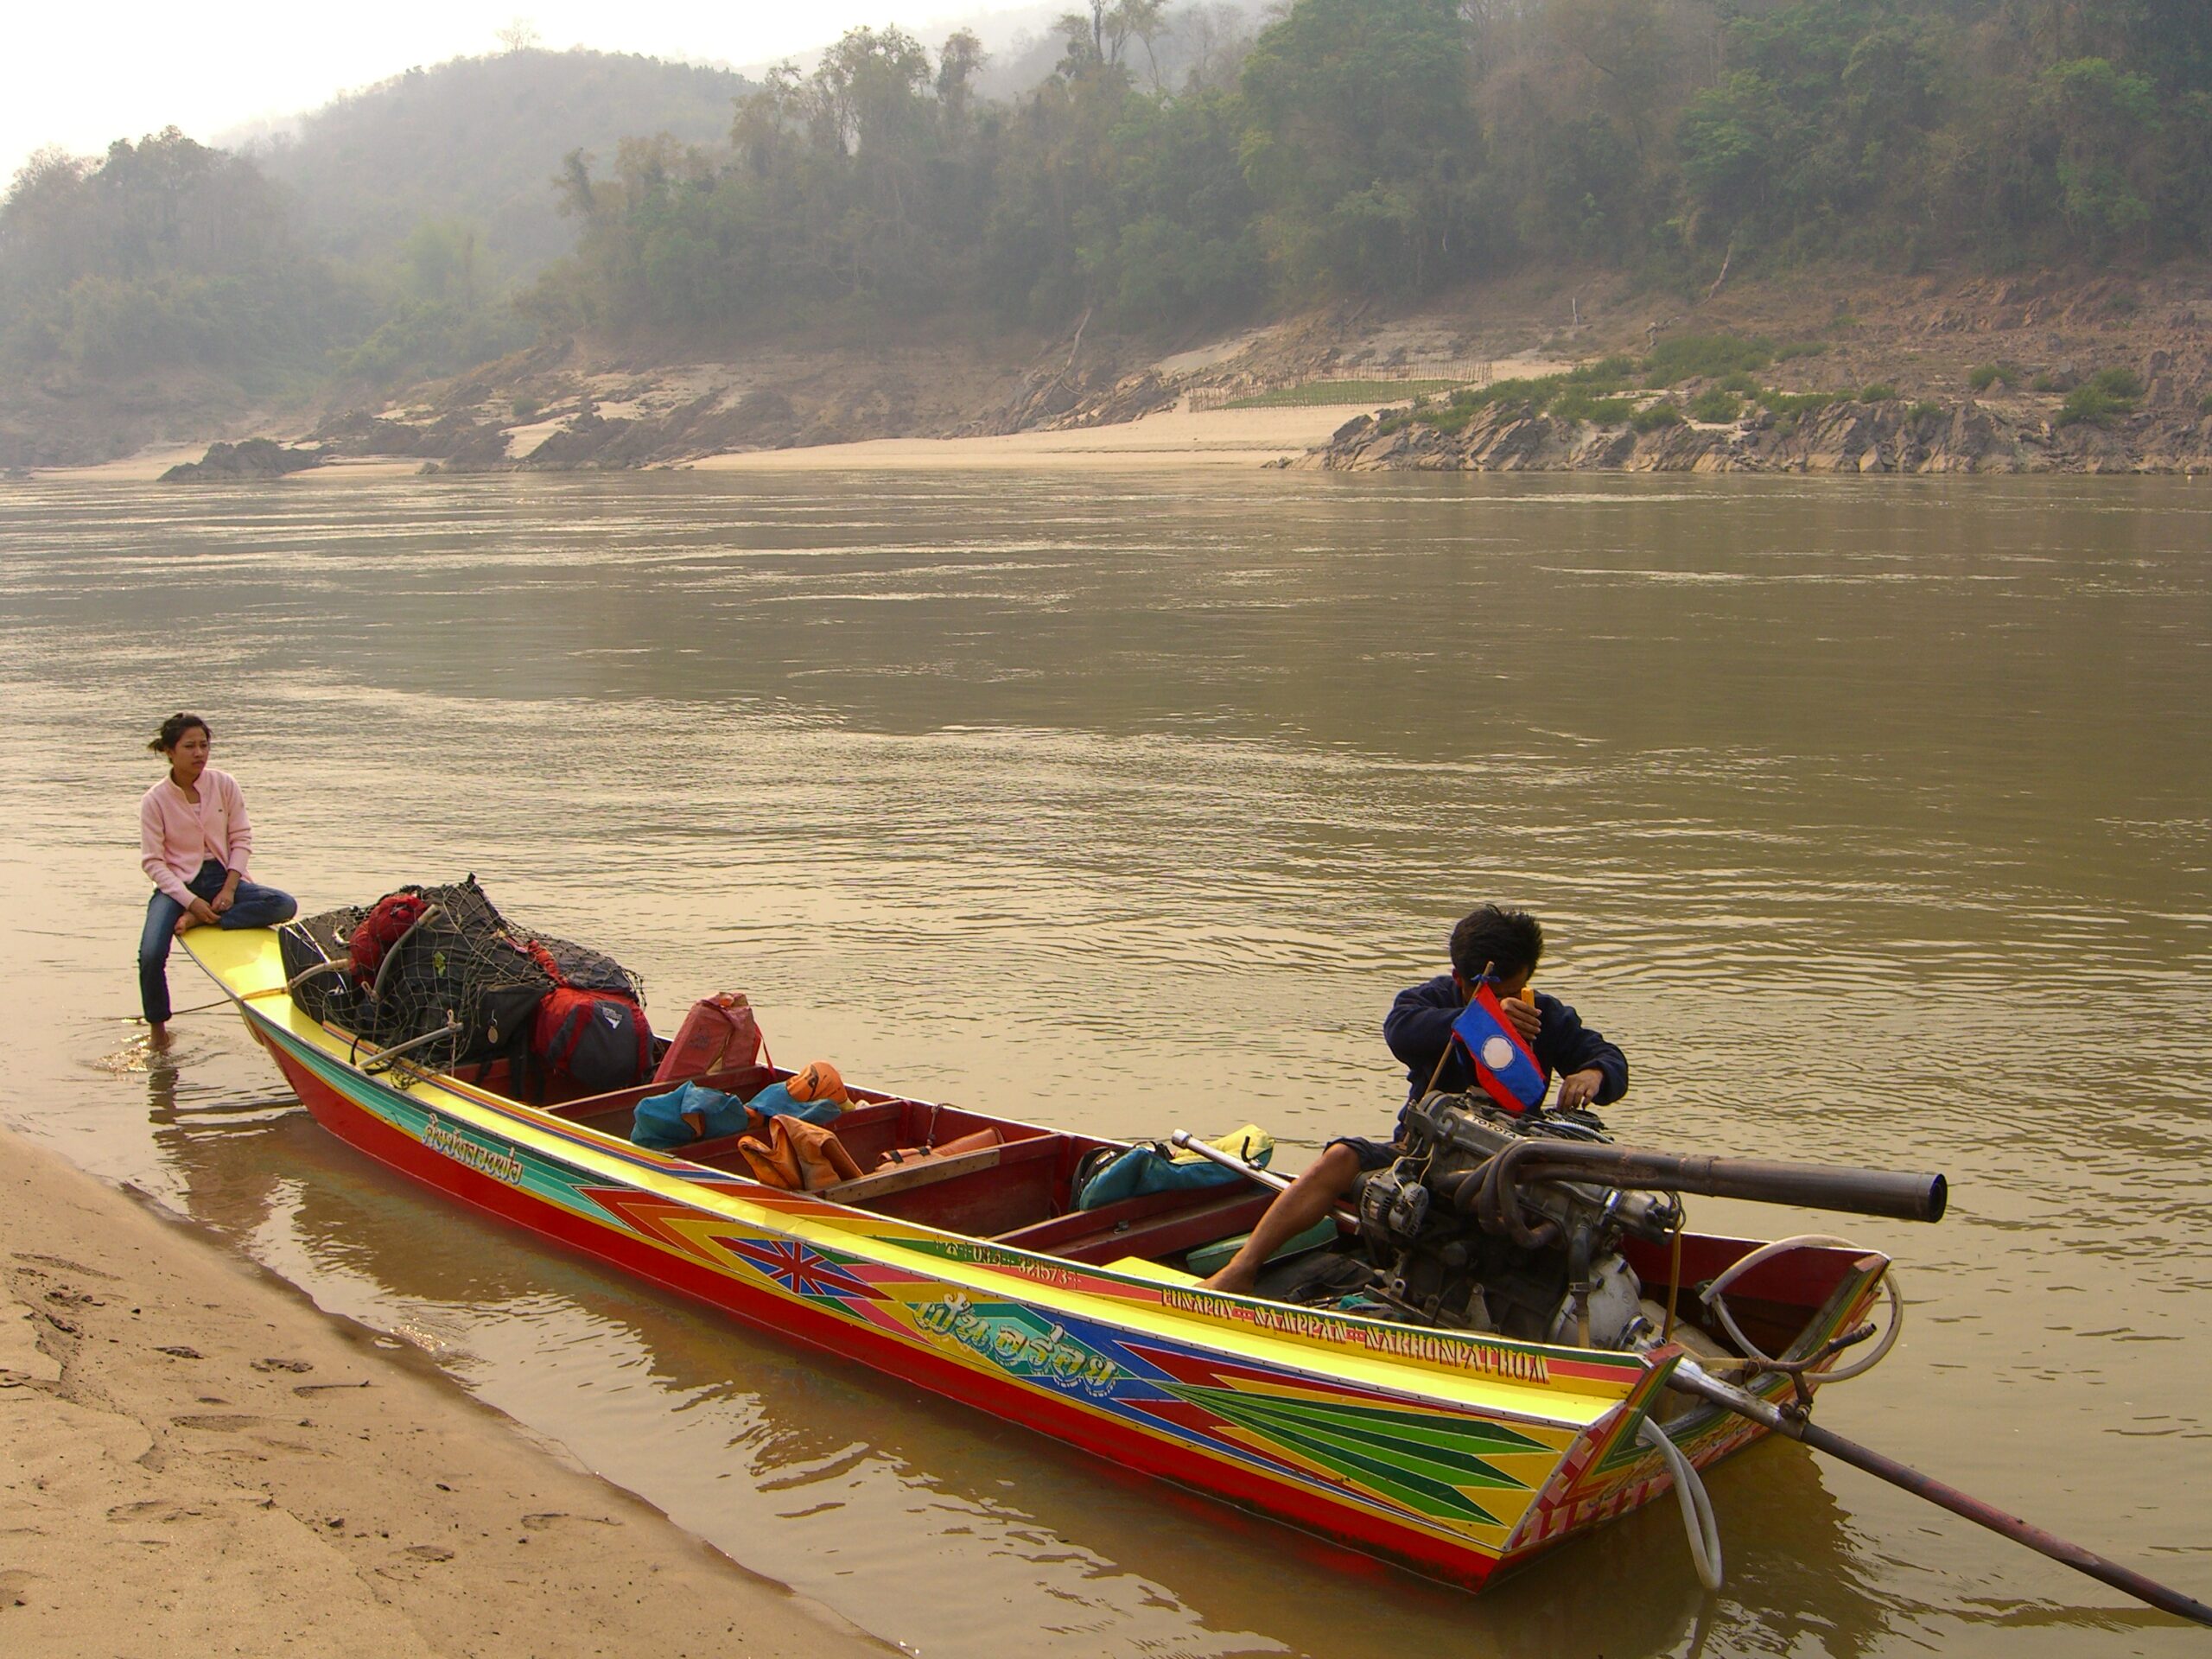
x: 1506, y: 1067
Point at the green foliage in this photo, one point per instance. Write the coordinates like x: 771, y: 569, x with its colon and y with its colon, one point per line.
x: 165, y: 253
x: 1789, y: 405
x: 1736, y: 140
x: 1983, y: 376
x: 2204, y: 406
x: 1716, y: 403
x: 424, y: 337
x: 2051, y: 381
x: 1366, y: 148
x: 1925, y: 411
x: 1686, y: 357
x: 527, y: 408
x: 1322, y: 393
x: 1534, y: 393
x: 1652, y: 416
x: 1605, y: 373
x: 1880, y: 392
x: 1359, y: 143
x: 2092, y: 405
x: 2099, y: 117
x: 2103, y: 399
x: 1580, y: 404
x: 1581, y: 396
x: 1179, y: 240
x: 1386, y: 147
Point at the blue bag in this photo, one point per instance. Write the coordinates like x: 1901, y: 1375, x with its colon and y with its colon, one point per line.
x: 1153, y: 1167
x: 662, y: 1122
x: 775, y: 1101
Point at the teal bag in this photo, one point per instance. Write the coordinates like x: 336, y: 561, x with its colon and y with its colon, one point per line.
x: 660, y: 1120
x: 1155, y: 1167
x: 775, y: 1101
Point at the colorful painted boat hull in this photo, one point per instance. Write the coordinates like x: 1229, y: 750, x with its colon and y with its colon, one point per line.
x: 1458, y: 1454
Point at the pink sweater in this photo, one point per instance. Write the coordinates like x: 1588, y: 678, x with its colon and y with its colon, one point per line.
x: 175, y: 837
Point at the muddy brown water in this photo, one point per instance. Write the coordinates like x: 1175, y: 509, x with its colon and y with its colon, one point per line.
x: 1873, y: 821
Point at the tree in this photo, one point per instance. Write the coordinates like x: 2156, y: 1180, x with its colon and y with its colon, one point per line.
x: 2101, y: 118
x: 956, y: 64
x: 1098, y: 37
x: 1361, y: 144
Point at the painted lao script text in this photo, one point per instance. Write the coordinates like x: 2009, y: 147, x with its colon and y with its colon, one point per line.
x: 1382, y: 1339
x: 502, y: 1166
x: 1005, y: 1339
x: 984, y: 1255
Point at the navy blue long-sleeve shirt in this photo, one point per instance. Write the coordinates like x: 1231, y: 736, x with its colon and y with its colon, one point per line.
x: 1418, y: 1028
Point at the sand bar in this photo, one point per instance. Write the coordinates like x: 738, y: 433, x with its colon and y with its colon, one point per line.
x: 193, y: 1459
x: 1171, y: 439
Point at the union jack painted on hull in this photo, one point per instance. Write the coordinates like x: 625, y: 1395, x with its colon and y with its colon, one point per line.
x: 1458, y: 1454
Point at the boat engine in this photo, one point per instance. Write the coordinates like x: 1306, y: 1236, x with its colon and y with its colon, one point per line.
x: 1542, y: 1261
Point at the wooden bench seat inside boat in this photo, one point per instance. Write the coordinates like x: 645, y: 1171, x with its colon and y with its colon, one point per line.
x: 1017, y: 1190
x: 1023, y: 1178
x: 1149, y: 1225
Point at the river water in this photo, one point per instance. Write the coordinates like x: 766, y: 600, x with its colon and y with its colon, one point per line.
x: 1874, y: 822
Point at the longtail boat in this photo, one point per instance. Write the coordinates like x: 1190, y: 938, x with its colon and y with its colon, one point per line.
x: 1461, y: 1452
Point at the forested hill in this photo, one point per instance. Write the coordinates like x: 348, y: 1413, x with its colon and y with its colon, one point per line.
x: 170, y: 284
x: 476, y: 142
x: 1396, y: 147
x: 1362, y: 149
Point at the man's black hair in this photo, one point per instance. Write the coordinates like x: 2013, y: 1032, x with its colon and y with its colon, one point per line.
x: 1506, y: 941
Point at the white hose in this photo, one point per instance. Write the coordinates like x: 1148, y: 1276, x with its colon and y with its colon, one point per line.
x: 1698, y: 1525
x: 1711, y: 1297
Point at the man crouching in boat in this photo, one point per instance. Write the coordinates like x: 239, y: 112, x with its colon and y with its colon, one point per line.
x: 1495, y: 951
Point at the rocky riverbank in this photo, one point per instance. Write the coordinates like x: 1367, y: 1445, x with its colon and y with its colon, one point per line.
x: 1852, y: 372
x: 1889, y: 435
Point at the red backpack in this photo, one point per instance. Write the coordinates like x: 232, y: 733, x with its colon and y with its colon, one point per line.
x: 381, y: 928
x: 591, y: 1041
x: 585, y: 1040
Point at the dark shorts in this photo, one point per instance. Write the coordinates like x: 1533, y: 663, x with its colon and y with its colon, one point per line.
x: 1372, y: 1154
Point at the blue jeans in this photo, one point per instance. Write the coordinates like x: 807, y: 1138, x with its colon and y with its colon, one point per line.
x: 252, y: 905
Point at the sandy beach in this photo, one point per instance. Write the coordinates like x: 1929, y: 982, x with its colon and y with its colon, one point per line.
x: 193, y: 1459
x: 1170, y: 439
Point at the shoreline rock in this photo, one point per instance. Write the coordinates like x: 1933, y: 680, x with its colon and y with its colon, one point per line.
x: 254, y: 458
x: 1894, y: 436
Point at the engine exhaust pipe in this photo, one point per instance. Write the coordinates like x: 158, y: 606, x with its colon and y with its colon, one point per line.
x: 1901, y: 1195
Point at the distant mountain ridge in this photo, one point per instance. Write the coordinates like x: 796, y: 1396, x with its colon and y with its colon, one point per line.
x: 478, y: 141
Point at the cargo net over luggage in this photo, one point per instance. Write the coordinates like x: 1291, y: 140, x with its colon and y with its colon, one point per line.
x: 429, y: 960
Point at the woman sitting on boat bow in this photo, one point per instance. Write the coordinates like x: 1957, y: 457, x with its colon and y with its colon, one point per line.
x: 194, y: 840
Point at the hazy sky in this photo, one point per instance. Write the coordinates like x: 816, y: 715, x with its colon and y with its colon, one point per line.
x: 80, y: 75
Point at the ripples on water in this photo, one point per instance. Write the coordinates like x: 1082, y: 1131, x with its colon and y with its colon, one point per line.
x: 1872, y: 820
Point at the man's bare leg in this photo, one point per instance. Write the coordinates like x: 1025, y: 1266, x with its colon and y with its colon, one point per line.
x: 1306, y: 1199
